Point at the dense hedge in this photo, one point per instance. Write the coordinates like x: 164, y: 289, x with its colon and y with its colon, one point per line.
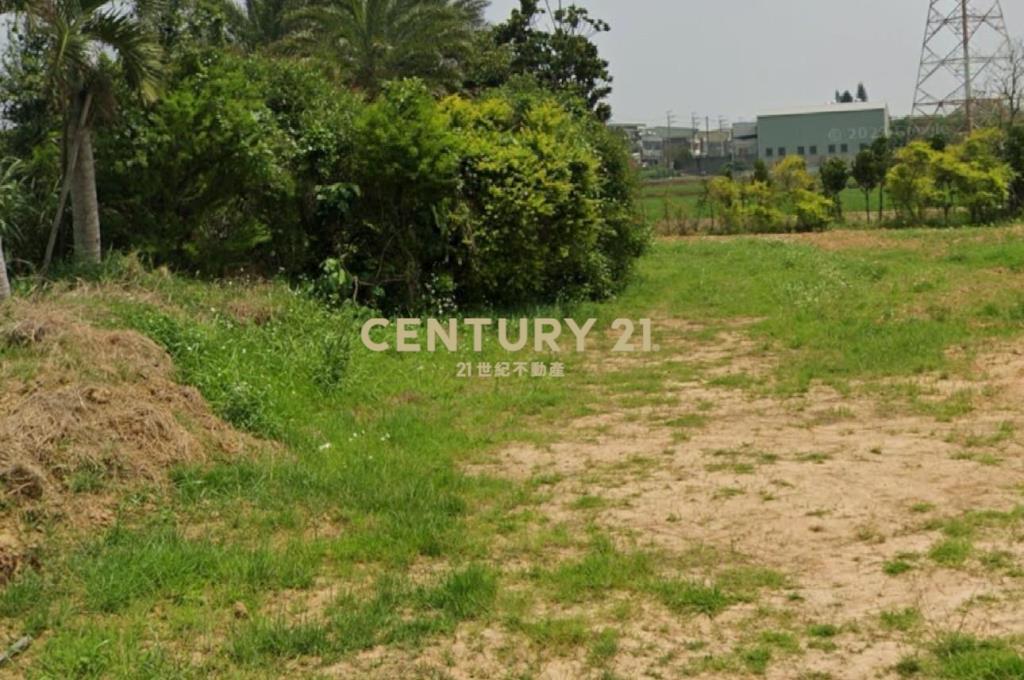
x: 264, y: 165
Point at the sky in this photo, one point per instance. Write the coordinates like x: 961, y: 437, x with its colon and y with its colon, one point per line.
x: 736, y: 58
x: 733, y: 59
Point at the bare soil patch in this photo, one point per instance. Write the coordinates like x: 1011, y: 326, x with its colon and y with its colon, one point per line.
x: 829, y: 489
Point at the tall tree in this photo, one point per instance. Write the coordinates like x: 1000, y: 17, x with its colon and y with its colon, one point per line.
x: 834, y: 175
x: 561, y: 54
x: 1013, y: 154
x: 259, y: 23
x: 862, y: 92
x: 379, y: 40
x: 80, y: 36
x: 882, y: 148
x: 761, y: 171
x: 865, y: 174
x: 1010, y: 82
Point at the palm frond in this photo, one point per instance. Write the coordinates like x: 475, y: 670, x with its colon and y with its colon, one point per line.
x: 379, y: 40
x: 137, y: 50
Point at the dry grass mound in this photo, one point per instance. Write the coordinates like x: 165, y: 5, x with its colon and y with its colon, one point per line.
x: 86, y: 413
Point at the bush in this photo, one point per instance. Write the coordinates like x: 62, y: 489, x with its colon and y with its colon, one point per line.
x: 545, y: 205
x: 758, y: 207
x: 911, y: 181
x: 813, y: 211
x: 398, y: 234
x: 972, y: 174
x: 263, y: 165
x: 221, y: 173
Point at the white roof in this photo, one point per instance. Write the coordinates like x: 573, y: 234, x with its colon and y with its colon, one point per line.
x: 825, y: 108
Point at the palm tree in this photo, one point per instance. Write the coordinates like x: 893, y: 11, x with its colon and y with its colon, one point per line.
x: 81, y: 36
x: 379, y: 40
x: 10, y: 198
x: 258, y: 23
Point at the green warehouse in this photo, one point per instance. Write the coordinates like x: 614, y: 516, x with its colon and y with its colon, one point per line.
x: 820, y: 132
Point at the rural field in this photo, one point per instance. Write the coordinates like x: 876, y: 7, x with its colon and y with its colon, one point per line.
x: 817, y: 474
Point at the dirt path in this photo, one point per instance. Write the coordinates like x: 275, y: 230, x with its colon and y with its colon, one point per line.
x: 827, y: 489
x: 891, y: 527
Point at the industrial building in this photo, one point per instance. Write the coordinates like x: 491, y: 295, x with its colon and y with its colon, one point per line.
x: 814, y: 133
x: 820, y: 132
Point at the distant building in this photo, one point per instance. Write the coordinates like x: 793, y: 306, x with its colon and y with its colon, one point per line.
x: 820, y: 132
x: 744, y: 141
x: 655, y: 140
x: 633, y: 134
x: 713, y: 143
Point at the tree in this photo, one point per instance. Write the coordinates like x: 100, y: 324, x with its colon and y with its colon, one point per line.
x: 1013, y: 155
x: 722, y: 196
x: 912, y: 181
x: 883, y: 151
x: 375, y: 41
x: 10, y: 198
x: 862, y: 92
x: 561, y: 56
x: 790, y: 174
x: 761, y: 171
x: 1009, y: 81
x: 865, y: 174
x: 984, y: 184
x: 834, y: 175
x: 845, y: 98
x: 258, y: 23
x: 78, y: 38
x: 950, y: 175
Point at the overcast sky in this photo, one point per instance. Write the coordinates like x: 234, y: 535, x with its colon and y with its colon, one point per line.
x: 734, y: 58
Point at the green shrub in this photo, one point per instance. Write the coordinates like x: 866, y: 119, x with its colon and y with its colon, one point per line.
x: 226, y: 170
x: 813, y: 211
x: 399, y: 234
x: 545, y: 210
x: 403, y: 203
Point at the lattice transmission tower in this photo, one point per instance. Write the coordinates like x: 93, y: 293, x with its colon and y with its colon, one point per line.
x: 965, y: 47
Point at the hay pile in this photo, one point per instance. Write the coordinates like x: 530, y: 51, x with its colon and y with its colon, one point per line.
x: 79, y: 402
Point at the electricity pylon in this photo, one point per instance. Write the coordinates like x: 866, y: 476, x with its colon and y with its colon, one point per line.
x: 965, y: 46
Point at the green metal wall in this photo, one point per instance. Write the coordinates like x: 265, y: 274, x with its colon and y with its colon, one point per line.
x: 820, y: 134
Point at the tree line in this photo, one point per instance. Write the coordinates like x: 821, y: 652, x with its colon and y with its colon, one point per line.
x: 927, y: 182
x: 402, y: 153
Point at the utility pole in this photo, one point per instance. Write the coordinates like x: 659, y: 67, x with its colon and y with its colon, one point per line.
x: 707, y: 132
x: 695, y: 122
x: 666, y: 148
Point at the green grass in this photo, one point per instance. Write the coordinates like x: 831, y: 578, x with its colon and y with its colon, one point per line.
x: 366, y: 490
x: 951, y: 552
x: 962, y: 657
x: 901, y: 620
x: 605, y: 569
x: 850, y: 314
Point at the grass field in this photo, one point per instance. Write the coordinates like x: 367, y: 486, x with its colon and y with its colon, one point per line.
x: 817, y: 474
